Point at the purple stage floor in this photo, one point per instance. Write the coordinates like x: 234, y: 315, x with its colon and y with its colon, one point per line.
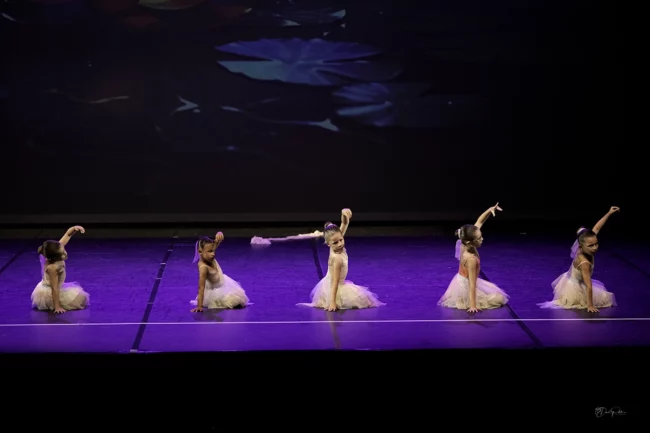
x: 141, y: 287
x: 141, y: 282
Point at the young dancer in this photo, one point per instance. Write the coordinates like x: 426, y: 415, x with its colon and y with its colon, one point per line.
x: 467, y: 291
x: 53, y: 293
x: 216, y: 289
x: 576, y: 289
x: 334, y: 291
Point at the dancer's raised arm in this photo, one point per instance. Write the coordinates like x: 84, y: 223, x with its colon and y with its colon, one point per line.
x: 601, y: 222
x: 346, y: 216
x: 71, y: 232
x: 484, y: 216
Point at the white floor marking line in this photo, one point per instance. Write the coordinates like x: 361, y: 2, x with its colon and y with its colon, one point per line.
x: 346, y: 322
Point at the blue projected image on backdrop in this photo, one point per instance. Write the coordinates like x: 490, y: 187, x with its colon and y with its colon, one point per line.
x: 267, y: 93
x: 315, y: 62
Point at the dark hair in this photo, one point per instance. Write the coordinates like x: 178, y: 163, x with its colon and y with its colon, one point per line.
x: 467, y: 234
x: 51, y: 250
x: 329, y: 229
x: 584, y: 233
x: 203, y: 241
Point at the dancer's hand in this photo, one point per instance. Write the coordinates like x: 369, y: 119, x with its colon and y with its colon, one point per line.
x: 473, y: 310
x: 331, y: 307
x: 346, y: 215
x: 197, y: 310
x: 59, y: 310
x: 77, y: 229
x: 614, y: 209
x: 495, y: 208
x: 218, y: 237
x: 593, y: 310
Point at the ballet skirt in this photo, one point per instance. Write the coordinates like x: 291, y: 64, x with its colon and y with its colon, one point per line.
x: 488, y: 294
x: 221, y: 291
x: 348, y: 295
x: 72, y: 296
x: 570, y: 290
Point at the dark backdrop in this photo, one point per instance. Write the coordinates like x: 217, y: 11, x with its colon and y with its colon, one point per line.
x: 191, y: 110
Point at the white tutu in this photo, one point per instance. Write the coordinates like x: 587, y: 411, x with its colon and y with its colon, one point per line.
x: 488, y: 295
x: 570, y: 292
x: 227, y: 293
x: 71, y: 297
x: 348, y: 296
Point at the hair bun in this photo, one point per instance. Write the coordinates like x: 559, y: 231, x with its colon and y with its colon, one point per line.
x: 40, y: 249
x: 581, y: 229
x: 328, y: 223
x: 457, y: 233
